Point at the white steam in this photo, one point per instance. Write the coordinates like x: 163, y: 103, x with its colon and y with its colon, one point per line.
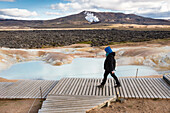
x: 90, y: 17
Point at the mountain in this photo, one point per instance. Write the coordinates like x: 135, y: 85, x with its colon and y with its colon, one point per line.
x: 85, y: 19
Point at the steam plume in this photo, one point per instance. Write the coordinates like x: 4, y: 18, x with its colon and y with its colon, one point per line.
x: 90, y: 17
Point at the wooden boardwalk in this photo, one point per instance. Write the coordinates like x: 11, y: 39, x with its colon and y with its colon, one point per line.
x: 77, y: 95
x: 167, y: 78
x: 26, y: 89
x: 81, y: 94
x: 131, y: 87
x: 72, y: 103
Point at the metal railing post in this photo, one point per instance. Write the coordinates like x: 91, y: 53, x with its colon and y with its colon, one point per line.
x: 136, y: 72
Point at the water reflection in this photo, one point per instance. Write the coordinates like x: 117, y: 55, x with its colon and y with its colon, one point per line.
x: 80, y: 67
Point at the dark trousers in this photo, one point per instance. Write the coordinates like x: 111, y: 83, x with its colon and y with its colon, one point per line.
x: 106, y: 73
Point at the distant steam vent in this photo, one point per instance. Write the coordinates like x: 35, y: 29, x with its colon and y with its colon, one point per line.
x: 91, y: 18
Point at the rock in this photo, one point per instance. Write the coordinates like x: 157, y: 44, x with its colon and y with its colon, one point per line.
x: 121, y: 100
x: 41, y: 39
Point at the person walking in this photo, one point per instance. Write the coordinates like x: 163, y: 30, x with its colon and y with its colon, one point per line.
x: 109, y: 66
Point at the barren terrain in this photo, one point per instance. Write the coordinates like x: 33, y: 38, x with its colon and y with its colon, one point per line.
x: 20, y: 106
x: 137, y: 106
x: 55, y: 38
x: 95, y: 27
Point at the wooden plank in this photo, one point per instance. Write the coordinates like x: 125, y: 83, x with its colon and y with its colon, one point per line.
x: 33, y: 91
x: 110, y: 87
x: 140, y: 84
x: 100, y: 89
x: 153, y: 87
x: 28, y: 92
x: 149, y: 90
x: 113, y: 84
x: 167, y: 86
x: 10, y: 91
x: 4, y: 85
x: 134, y: 93
x: 63, y: 111
x: 95, y: 87
x: 70, y: 111
x: 92, y: 87
x: 77, y: 89
x: 158, y: 88
x: 167, y: 78
x: 54, y: 84
x: 67, y: 109
x: 43, y: 85
x: 72, y: 97
x: 48, y: 87
x: 117, y: 91
x: 72, y: 86
x: 64, y: 105
x: 162, y: 89
x: 88, y: 87
x: 126, y: 88
x: 59, y: 86
x: 140, y: 92
x: 72, y: 101
x: 59, y: 98
x: 136, y: 88
x: 104, y: 89
x: 68, y: 86
x: 80, y: 87
x: 144, y: 88
x: 107, y: 88
x: 54, y: 90
x: 123, y: 89
x: 129, y: 88
x: 83, y: 88
x: 64, y: 86
x: 120, y: 89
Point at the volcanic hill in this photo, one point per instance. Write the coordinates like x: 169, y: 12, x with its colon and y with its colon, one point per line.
x: 79, y: 20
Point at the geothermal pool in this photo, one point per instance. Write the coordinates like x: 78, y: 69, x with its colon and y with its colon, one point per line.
x: 80, y: 67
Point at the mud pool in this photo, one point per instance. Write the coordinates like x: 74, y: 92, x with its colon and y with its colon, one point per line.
x: 80, y: 67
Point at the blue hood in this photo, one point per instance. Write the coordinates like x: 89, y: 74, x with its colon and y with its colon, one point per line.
x: 108, y: 49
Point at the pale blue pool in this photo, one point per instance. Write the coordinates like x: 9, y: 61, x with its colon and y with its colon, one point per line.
x: 80, y: 67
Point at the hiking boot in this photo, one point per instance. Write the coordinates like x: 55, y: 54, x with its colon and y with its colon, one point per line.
x: 100, y: 86
x: 118, y: 85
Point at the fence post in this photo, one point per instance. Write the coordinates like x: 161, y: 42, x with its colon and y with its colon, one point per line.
x: 41, y: 93
x: 136, y: 72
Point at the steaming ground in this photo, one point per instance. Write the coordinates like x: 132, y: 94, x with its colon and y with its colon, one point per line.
x: 154, y: 55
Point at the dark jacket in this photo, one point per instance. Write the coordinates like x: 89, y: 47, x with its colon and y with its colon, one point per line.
x: 110, y: 62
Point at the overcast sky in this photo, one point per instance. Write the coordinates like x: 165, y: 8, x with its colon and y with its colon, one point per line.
x: 50, y: 9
